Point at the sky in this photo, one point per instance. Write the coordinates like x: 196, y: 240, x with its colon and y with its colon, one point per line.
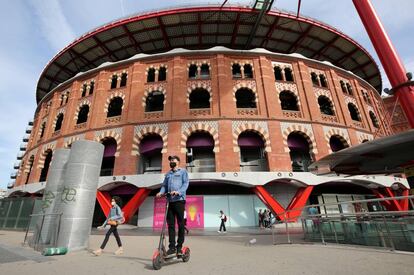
x: 33, y: 31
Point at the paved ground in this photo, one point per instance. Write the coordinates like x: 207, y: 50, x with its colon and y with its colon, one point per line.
x: 211, y: 253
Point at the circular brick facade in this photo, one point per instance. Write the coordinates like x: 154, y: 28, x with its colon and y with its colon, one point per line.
x: 222, y: 120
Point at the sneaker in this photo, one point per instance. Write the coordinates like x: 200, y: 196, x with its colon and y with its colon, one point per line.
x: 119, y: 251
x: 97, y: 252
x: 171, y: 251
x: 219, y: 231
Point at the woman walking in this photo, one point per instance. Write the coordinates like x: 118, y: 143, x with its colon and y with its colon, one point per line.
x: 223, y: 219
x: 114, y: 218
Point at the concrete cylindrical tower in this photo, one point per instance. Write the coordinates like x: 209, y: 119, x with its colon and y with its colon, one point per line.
x: 51, y: 197
x: 79, y: 194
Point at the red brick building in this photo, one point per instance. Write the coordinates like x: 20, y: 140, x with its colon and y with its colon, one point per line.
x: 264, y: 104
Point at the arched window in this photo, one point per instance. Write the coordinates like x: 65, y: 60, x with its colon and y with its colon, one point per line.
x: 151, y: 75
x: 373, y: 119
x: 278, y: 73
x: 315, y: 80
x: 337, y: 143
x: 199, y: 98
x: 46, y: 164
x: 59, y: 121
x: 349, y: 89
x: 236, y: 71
x: 84, y: 89
x: 162, y: 74
x: 124, y: 78
x: 115, y: 107
x: 150, y: 156
x: 299, y: 152
x: 353, y: 111
x: 42, y: 129
x: 108, y: 161
x: 322, y: 79
x: 192, y: 71
x: 83, y: 114
x: 248, y: 71
x: 91, y: 87
x: 200, y: 154
x: 325, y: 105
x: 245, y: 98
x: 252, y: 152
x: 288, y: 101
x: 288, y: 74
x: 30, y: 164
x: 154, y: 102
x: 343, y: 87
x: 114, y: 81
x: 205, y: 71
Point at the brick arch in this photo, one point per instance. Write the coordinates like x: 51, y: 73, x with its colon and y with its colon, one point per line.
x: 293, y: 92
x: 198, y: 64
x: 61, y: 111
x: 330, y: 99
x: 70, y: 141
x: 118, y: 75
x: 45, y: 149
x: 323, y: 92
x: 351, y: 100
x: 364, y: 136
x: 199, y: 85
x: 244, y: 85
x: 199, y: 127
x: 113, y: 95
x: 303, y: 131
x: 111, y: 134
x: 40, y: 127
x: 242, y: 63
x: 149, y: 130
x: 28, y: 163
x: 82, y: 103
x: 253, y: 128
x: 153, y: 89
x: 340, y: 134
x: 156, y: 68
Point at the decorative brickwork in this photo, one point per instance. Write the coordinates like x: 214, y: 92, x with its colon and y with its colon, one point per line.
x: 259, y: 127
x: 115, y: 133
x: 303, y: 129
x: 188, y: 128
x: 141, y: 131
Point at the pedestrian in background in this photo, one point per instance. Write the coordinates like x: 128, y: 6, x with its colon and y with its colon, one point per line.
x: 223, y: 219
x: 115, y: 217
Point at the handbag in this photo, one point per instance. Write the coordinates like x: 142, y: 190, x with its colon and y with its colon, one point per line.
x: 112, y: 222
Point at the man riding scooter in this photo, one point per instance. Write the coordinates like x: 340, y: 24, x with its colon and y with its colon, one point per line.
x: 176, y: 183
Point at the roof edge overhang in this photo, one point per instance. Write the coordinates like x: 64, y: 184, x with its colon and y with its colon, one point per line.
x: 53, y: 80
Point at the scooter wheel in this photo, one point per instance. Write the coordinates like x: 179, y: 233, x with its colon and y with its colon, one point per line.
x: 186, y: 254
x: 156, y: 261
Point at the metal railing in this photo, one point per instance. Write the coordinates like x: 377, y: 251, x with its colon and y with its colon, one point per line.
x: 392, y: 230
x: 38, y: 236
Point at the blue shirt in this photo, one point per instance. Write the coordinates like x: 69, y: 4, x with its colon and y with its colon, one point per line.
x: 176, y: 181
x: 115, y: 214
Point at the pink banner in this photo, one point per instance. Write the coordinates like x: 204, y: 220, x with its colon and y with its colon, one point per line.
x: 194, y: 208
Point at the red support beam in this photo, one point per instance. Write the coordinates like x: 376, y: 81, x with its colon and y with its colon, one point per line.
x: 104, y: 200
x: 395, y: 202
x: 393, y: 66
x: 268, y: 200
x: 298, y: 202
x: 404, y: 202
x: 135, y: 202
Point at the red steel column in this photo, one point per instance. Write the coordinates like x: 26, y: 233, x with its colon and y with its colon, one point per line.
x: 388, y: 56
x: 104, y: 200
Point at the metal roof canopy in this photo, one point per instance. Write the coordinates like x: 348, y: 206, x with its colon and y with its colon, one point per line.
x: 205, y: 27
x: 380, y: 156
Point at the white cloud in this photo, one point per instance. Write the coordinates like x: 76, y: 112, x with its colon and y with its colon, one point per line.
x: 53, y: 23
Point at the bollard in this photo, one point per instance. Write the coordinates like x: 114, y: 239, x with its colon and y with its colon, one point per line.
x: 54, y: 251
